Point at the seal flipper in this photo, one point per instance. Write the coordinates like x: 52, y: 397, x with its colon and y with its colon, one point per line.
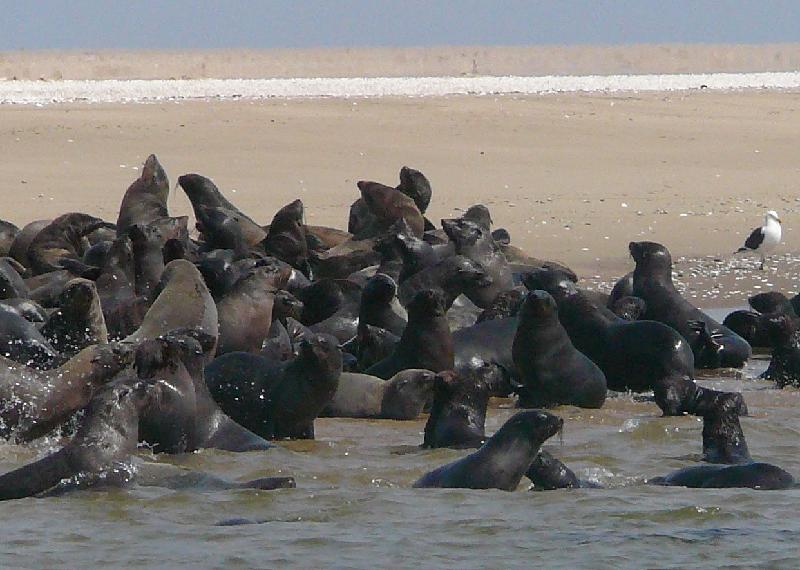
x: 230, y: 436
x: 37, y: 477
x: 707, y: 350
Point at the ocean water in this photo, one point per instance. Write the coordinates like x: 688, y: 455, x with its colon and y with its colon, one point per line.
x: 354, y: 506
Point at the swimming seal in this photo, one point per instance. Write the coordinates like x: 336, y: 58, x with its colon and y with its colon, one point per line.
x: 784, y: 367
x: 551, y: 370
x: 103, y: 444
x: 33, y: 402
x: 503, y: 460
x: 749, y: 476
x: 426, y: 341
x: 652, y: 282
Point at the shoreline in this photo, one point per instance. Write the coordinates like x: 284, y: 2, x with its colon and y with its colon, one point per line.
x: 573, y: 177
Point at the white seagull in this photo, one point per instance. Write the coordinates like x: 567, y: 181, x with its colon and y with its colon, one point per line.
x: 765, y: 239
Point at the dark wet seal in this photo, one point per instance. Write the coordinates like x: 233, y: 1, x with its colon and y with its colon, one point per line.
x: 652, y: 281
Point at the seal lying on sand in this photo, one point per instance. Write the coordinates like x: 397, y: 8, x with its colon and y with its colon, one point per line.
x: 503, y: 460
x: 363, y: 396
x: 60, y: 242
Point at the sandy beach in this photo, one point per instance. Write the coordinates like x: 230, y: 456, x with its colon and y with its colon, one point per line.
x: 572, y: 177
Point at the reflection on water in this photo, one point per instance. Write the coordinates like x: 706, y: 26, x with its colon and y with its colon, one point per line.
x: 353, y: 506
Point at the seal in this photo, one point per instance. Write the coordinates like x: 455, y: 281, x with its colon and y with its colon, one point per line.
x: 183, y: 301
x: 547, y: 473
x: 11, y: 282
x: 452, y: 276
x: 756, y: 475
x: 148, y: 241
x: 286, y: 239
x: 784, y: 367
x: 489, y: 342
x: 652, y: 282
x: 103, y: 444
x: 413, y: 184
x: 21, y: 341
x: 551, y: 370
x: 277, y: 399
x: 629, y: 308
x: 370, y: 345
x: 474, y: 241
x: 723, y: 438
x: 203, y: 192
x: 458, y: 414
x: 380, y: 306
x: 634, y: 355
x: 186, y: 418
x: 426, y: 341
x: 61, y: 241
x: 505, y: 305
x: 363, y: 396
x: 22, y: 241
x: 388, y: 205
x: 245, y: 312
x: 8, y: 233
x: 33, y: 402
x: 27, y: 309
x: 78, y: 322
x: 145, y: 200
x: 123, y: 309
x: 503, y: 460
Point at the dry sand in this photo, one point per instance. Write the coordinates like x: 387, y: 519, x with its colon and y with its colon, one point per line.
x: 400, y: 62
x: 572, y: 177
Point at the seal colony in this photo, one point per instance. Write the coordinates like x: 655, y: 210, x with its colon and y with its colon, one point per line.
x: 136, y: 334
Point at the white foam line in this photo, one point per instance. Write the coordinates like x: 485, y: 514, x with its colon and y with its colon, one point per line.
x: 117, y: 91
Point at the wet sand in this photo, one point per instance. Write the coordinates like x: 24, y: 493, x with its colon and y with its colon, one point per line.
x: 573, y: 177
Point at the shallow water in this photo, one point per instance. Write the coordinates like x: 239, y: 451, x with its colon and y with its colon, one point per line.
x: 354, y: 506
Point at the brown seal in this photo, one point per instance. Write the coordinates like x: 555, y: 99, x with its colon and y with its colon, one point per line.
x: 145, y: 200
x: 61, y: 240
x: 78, y: 321
x: 286, y: 239
x: 388, y: 205
x: 245, y: 312
x: 203, y: 192
x: 183, y: 301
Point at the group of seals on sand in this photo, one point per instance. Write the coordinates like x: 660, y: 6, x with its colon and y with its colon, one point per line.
x: 247, y: 333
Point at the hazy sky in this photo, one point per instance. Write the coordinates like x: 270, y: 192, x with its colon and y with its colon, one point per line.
x: 42, y: 24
